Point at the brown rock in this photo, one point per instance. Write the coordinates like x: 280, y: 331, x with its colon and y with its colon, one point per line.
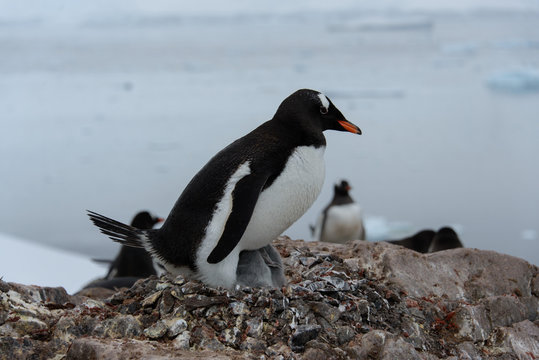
x: 357, y: 300
x: 520, y: 339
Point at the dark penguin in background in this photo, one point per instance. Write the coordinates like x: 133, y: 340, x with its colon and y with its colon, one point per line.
x: 245, y: 196
x: 419, y: 242
x: 341, y: 220
x: 445, y: 238
x: 135, y: 262
x: 428, y: 241
x: 131, y: 263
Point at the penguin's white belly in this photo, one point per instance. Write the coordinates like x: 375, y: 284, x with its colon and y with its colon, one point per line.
x: 280, y: 205
x: 343, y: 223
x: 287, y: 199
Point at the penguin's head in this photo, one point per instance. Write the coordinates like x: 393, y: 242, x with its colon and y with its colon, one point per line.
x: 342, y: 188
x: 144, y: 220
x: 312, y: 110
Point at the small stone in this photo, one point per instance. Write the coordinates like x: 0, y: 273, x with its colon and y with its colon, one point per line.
x: 4, y: 286
x: 344, y: 334
x: 167, y: 303
x: 307, y: 261
x: 472, y: 323
x: 202, y: 301
x: 119, y: 326
x: 192, y: 287
x: 175, y: 327
x: 352, y: 264
x: 211, y: 344
x: 182, y: 340
x: 179, y: 280
x: 156, y: 331
x: 133, y: 307
x: 152, y: 299
x: 21, y: 325
x: 302, y: 335
x: 239, y: 308
x: 364, y: 309
x: 256, y: 326
x: 262, y: 301
x: 252, y: 344
x: 231, y: 336
x: 162, y: 286
x: 330, y: 313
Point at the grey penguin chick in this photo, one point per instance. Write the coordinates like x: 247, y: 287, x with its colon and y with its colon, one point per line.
x: 260, y: 268
x: 342, y: 220
x: 245, y: 196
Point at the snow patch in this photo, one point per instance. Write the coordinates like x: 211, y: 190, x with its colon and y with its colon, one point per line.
x: 32, y: 264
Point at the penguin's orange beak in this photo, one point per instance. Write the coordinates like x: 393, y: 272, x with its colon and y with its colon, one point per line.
x: 160, y: 220
x: 348, y: 126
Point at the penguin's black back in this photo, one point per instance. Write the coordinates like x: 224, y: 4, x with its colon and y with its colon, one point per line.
x: 446, y: 238
x: 267, y: 148
x: 134, y: 262
x: 419, y: 242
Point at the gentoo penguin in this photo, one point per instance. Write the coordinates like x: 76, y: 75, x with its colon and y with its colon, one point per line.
x: 245, y: 196
x: 445, y: 238
x: 341, y: 220
x: 131, y: 263
x: 419, y: 242
x: 262, y: 267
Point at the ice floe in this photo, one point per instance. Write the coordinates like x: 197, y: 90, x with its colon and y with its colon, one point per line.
x: 518, y: 80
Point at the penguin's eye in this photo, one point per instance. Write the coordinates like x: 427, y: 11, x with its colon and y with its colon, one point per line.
x: 323, y: 110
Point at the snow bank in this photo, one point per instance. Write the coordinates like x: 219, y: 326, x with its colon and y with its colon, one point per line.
x: 27, y: 263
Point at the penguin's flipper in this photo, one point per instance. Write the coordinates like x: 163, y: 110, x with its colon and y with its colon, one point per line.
x: 245, y: 196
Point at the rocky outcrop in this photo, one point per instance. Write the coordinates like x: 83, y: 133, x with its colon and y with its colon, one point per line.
x: 359, y: 300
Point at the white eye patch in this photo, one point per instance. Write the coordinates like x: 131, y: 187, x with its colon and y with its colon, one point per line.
x: 324, y: 101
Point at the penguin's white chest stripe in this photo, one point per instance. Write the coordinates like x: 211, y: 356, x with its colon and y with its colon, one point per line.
x: 225, y: 270
x: 287, y: 199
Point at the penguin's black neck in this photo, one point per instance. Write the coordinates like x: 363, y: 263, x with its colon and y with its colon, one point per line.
x: 297, y: 132
x: 341, y: 199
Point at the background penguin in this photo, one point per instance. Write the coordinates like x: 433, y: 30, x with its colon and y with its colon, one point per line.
x: 341, y: 220
x: 245, y: 196
x: 428, y: 241
x: 445, y: 238
x: 419, y: 242
x: 131, y: 263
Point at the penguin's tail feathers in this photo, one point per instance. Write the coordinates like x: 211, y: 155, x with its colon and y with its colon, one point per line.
x: 121, y: 233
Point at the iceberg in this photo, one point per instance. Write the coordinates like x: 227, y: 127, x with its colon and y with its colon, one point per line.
x: 517, y: 81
